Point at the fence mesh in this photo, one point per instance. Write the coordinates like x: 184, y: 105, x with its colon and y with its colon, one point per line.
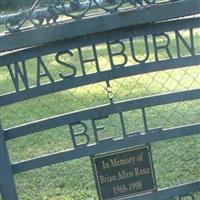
x: 176, y: 161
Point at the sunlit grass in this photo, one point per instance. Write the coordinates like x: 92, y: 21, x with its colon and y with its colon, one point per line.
x: 176, y: 161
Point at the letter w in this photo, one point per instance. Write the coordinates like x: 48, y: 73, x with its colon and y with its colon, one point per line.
x: 18, y: 72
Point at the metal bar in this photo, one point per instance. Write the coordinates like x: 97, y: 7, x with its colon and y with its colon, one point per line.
x: 144, y: 119
x: 107, y: 145
x: 100, y: 23
x: 7, y: 183
x: 14, y: 97
x: 168, y: 193
x: 96, y: 38
x: 99, y: 112
x: 58, y: 10
x: 44, y: 12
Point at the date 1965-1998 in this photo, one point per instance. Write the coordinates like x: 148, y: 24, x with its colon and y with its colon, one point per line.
x: 131, y: 187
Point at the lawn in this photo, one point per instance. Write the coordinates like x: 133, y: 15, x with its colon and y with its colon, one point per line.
x: 176, y: 161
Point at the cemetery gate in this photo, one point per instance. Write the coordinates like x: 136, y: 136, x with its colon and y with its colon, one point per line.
x: 132, y: 65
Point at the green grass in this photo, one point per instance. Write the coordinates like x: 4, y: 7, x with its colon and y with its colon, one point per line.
x: 176, y: 161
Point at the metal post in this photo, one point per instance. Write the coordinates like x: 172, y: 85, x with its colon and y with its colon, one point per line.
x: 7, y: 183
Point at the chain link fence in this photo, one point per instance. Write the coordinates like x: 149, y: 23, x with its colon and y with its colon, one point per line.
x: 176, y: 161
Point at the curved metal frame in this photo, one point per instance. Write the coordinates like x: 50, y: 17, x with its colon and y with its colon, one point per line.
x: 37, y: 14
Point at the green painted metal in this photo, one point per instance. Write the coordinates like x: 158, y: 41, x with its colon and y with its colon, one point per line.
x: 151, y: 19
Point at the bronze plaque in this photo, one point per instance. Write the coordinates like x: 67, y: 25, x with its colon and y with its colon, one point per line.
x: 124, y: 173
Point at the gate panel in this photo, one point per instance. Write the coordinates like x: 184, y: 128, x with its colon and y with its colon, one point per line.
x: 102, y: 86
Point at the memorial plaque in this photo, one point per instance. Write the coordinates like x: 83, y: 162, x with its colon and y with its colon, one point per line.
x: 124, y: 173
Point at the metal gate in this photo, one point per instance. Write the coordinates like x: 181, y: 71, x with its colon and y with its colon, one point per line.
x: 137, y: 59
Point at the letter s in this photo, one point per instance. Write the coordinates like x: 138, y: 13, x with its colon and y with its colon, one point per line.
x: 58, y: 60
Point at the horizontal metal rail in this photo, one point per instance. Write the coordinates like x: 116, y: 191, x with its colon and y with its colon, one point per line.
x: 99, y: 112
x: 68, y: 34
x: 14, y: 97
x: 166, y: 194
x: 90, y: 25
x: 59, y: 85
x: 107, y: 145
x: 66, y: 9
x: 10, y: 57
